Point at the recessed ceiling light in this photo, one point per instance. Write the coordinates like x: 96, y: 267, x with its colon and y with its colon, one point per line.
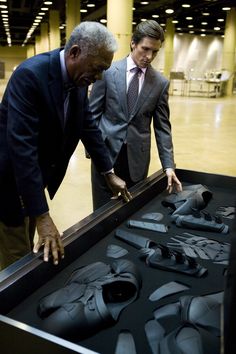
x: 44, y: 8
x: 134, y: 23
x: 191, y: 32
x: 203, y: 35
x: 226, y: 8
x: 144, y: 2
x: 155, y: 16
x: 205, y: 14
x: 91, y: 5
x: 162, y: 24
x: 48, y: 2
x: 41, y: 13
x: 204, y: 23
x: 220, y: 20
x: 143, y: 19
x: 169, y: 11
x: 133, y: 8
x: 185, y: 5
x: 203, y: 30
x: 190, y: 26
x: 217, y: 28
x: 103, y: 20
x: 175, y: 21
x: 189, y: 18
x: 83, y: 10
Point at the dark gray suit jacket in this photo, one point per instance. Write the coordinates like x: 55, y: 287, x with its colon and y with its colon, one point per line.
x: 35, y: 143
x: 108, y: 104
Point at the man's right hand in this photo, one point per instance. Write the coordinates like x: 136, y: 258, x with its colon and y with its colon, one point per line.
x: 49, y: 237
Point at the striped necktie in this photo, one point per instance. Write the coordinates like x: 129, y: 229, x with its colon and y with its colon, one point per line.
x: 133, y: 89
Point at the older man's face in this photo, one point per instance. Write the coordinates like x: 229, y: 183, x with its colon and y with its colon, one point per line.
x: 85, y: 70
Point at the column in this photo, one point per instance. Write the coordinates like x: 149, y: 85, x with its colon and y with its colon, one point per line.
x: 228, y: 60
x: 54, y: 31
x: 38, y: 45
x: 169, y: 47
x: 72, y: 16
x: 119, y: 22
x: 30, y: 50
x: 44, y: 37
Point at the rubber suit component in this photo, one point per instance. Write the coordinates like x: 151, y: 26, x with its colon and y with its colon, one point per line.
x: 200, y: 223
x: 195, y: 196
x: 125, y: 343
x: 197, y: 246
x: 227, y: 212
x: 202, y: 311
x: 114, y: 251
x: 165, y: 259
x: 92, y: 299
x: 167, y: 289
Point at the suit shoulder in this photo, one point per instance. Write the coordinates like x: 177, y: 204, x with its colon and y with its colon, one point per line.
x: 159, y: 76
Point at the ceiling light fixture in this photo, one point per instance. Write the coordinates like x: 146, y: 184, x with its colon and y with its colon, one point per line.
x: 226, y: 8
x: 169, y: 11
x: 155, y: 16
x: 186, y: 5
x: 90, y: 5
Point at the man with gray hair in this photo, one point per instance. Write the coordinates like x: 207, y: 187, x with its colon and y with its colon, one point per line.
x: 43, y: 115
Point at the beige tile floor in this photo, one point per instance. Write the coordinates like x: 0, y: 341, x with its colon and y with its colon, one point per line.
x: 204, y: 135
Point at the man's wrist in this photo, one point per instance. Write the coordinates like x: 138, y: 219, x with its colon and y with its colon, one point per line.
x: 107, y: 173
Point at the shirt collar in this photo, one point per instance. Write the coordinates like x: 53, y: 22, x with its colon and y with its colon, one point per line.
x: 65, y: 77
x: 131, y: 65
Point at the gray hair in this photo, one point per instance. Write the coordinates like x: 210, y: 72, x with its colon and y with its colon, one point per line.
x: 91, y: 37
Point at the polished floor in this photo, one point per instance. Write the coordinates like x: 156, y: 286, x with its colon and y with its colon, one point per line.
x: 204, y: 136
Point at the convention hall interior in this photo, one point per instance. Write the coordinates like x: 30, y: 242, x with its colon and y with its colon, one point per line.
x: 198, y: 57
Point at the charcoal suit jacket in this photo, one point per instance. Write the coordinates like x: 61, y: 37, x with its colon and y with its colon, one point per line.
x: 35, y: 141
x: 108, y: 103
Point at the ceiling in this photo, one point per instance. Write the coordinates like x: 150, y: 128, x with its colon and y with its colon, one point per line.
x: 22, y: 13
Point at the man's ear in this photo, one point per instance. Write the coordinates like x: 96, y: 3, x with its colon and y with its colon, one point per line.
x: 132, y: 45
x: 75, y: 51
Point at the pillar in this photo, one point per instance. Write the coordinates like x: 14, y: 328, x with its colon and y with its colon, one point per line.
x: 169, y: 47
x: 72, y: 16
x: 44, y: 37
x: 228, y: 60
x: 30, y: 50
x: 54, y: 31
x: 38, y: 45
x: 119, y: 22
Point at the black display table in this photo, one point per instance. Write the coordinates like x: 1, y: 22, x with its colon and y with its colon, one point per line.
x: 28, y: 280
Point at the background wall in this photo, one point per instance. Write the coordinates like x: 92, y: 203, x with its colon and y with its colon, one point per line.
x: 11, y: 56
x: 194, y: 55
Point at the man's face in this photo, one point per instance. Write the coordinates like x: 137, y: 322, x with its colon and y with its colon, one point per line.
x: 145, y: 51
x: 85, y: 70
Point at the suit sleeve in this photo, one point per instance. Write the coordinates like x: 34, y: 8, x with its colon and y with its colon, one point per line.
x: 97, y: 99
x: 93, y: 141
x: 162, y: 129
x: 22, y: 138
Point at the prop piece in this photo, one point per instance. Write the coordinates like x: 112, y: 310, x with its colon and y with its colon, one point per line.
x: 200, y: 221
x: 91, y: 300
x: 160, y: 256
x: 155, y: 333
x: 114, y: 251
x: 153, y: 216
x: 227, y: 212
x: 194, y: 196
x: 147, y: 226
x: 202, y: 247
x: 125, y: 343
x: 167, y: 289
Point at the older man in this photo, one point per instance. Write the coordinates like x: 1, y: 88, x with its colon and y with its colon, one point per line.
x: 43, y: 115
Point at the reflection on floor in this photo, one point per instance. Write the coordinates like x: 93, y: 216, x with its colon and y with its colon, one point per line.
x: 204, y: 135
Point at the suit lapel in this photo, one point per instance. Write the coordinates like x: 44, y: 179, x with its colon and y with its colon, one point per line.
x: 56, y: 85
x: 146, y: 89
x: 120, y: 82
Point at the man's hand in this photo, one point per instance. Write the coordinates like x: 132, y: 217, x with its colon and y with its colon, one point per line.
x: 49, y: 237
x: 117, y: 186
x: 172, y: 181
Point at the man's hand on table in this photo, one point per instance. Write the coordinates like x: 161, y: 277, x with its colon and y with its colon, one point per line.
x: 49, y: 237
x: 173, y: 184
